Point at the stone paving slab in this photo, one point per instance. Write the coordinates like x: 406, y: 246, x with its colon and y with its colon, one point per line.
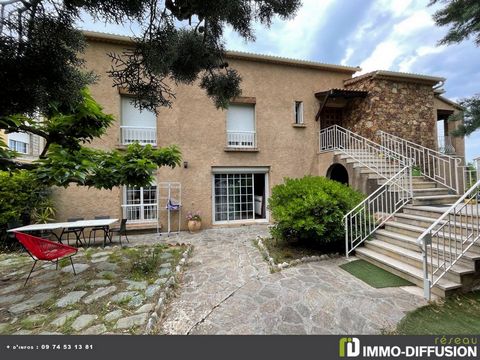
x: 228, y: 289
x: 108, y: 294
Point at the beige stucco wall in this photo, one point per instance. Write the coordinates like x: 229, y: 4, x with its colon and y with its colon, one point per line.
x: 199, y: 129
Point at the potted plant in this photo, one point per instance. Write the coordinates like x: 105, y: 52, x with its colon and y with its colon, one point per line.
x: 194, y: 221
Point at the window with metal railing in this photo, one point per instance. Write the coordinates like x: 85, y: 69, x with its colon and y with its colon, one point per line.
x: 241, y: 133
x: 137, y: 126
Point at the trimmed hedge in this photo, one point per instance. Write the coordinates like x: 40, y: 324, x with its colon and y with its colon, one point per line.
x: 311, y: 209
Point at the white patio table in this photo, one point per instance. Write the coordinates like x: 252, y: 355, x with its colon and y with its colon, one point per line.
x: 81, y: 224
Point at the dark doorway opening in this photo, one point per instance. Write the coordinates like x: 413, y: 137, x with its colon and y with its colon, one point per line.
x: 338, y: 173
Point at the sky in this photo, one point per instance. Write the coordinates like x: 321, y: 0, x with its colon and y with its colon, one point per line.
x: 397, y: 35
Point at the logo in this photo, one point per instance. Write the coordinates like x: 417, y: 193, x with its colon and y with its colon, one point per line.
x: 349, y: 347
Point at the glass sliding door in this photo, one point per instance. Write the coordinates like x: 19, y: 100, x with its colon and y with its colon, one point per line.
x: 234, y: 197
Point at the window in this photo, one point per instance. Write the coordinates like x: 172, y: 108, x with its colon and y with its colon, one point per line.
x: 241, y: 126
x: 19, y: 142
x: 298, y: 112
x: 239, y: 196
x: 140, y: 204
x: 137, y: 125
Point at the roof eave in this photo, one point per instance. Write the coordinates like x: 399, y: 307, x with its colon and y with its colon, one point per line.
x: 125, y: 40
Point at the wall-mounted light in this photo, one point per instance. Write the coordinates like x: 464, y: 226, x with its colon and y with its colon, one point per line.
x: 185, y: 164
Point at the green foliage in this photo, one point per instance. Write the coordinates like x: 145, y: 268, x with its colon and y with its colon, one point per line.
x: 20, y: 194
x: 463, y: 17
x: 470, y: 116
x: 40, y: 50
x: 135, y: 166
x: 312, y: 209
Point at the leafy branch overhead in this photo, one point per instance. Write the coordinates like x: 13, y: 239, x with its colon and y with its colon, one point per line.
x: 180, y: 42
x: 44, y: 80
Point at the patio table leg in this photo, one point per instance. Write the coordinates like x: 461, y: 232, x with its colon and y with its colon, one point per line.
x: 77, y: 235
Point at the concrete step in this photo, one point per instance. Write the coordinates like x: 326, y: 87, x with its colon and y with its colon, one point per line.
x: 414, y: 258
x: 404, y: 229
x: 470, y: 258
x: 416, y: 179
x: 435, y: 200
x: 436, y: 211
x: 424, y: 185
x: 444, y: 287
x: 430, y: 192
x: 426, y: 222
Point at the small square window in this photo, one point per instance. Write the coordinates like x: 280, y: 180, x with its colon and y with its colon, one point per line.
x: 298, y: 112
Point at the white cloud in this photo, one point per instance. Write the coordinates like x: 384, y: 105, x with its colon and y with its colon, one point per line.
x: 417, y: 21
x: 290, y: 38
x: 383, y: 57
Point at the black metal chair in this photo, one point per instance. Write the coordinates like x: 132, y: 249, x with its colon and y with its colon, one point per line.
x: 77, y: 231
x: 105, y: 229
x: 122, y: 230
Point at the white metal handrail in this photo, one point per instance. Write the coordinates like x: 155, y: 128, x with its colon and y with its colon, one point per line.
x: 377, y: 209
x: 241, y: 139
x: 381, y: 160
x: 388, y: 199
x: 447, y: 240
x: 143, y: 135
x: 441, y: 168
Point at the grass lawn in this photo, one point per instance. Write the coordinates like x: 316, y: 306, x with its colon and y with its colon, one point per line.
x: 373, y: 275
x: 459, y: 315
x: 283, y: 251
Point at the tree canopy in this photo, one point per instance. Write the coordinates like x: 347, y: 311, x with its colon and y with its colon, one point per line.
x: 44, y: 81
x: 463, y: 19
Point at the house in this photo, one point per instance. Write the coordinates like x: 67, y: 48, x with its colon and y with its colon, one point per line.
x: 232, y: 158
x: 28, y: 146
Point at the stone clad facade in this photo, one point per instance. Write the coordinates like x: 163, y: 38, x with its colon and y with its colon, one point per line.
x: 402, y: 108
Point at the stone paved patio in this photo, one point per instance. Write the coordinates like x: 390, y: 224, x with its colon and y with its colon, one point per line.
x: 228, y: 289
x: 106, y: 295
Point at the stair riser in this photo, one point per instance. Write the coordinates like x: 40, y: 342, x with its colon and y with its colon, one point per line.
x: 435, y: 215
x: 468, y: 262
x: 407, y: 232
x: 422, y: 223
x: 427, y: 202
x: 416, y: 234
x: 411, y: 261
x: 419, y: 185
x: 426, y: 224
x: 419, y: 282
x: 415, y: 185
x: 430, y: 193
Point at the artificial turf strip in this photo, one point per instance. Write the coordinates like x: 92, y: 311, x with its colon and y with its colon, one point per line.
x: 373, y: 275
x: 458, y: 314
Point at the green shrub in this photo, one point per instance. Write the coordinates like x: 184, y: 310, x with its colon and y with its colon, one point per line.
x: 20, y: 196
x: 311, y: 209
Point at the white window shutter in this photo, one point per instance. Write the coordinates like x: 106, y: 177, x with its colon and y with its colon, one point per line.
x: 241, y: 117
x: 132, y: 116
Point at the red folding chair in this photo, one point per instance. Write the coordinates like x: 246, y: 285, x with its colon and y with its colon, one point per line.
x: 45, y: 250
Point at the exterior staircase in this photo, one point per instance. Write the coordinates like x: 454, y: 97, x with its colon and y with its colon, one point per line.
x: 424, y: 230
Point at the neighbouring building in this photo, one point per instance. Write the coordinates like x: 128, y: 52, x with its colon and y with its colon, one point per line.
x: 232, y: 158
x: 28, y: 146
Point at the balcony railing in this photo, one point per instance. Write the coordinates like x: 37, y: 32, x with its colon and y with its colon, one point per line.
x: 445, y: 145
x: 144, y: 135
x: 241, y: 139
